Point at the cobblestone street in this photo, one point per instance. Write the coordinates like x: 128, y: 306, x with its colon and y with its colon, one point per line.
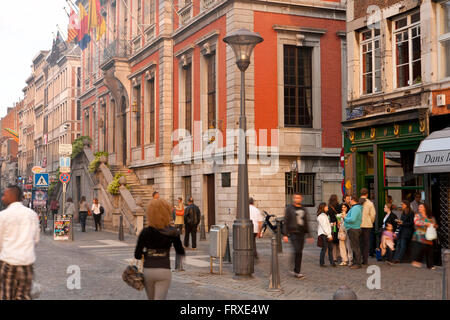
x: 102, y: 259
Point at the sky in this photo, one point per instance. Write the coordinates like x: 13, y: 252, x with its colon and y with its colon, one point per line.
x: 26, y: 27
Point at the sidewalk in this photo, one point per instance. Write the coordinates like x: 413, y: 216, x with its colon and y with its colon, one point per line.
x: 94, y: 249
x: 398, y: 282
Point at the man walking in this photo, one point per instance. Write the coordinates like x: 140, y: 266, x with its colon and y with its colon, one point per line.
x: 352, y: 224
x: 295, y: 227
x: 368, y: 218
x: 257, y: 219
x: 19, y: 233
x: 191, y: 221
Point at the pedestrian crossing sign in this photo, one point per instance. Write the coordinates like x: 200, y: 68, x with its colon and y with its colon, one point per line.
x: 41, y: 180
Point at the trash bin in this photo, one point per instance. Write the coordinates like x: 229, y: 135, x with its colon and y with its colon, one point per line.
x: 218, y: 241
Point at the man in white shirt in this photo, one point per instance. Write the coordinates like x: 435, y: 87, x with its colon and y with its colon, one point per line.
x: 19, y: 233
x: 257, y: 219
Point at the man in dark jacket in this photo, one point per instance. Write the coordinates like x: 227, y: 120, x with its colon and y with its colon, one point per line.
x: 191, y: 221
x: 295, y: 227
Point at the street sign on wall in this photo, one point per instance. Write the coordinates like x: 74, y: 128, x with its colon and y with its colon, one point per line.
x: 65, y: 149
x: 64, y: 164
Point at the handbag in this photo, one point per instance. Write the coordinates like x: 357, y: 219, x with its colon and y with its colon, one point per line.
x: 431, y: 233
x: 134, y: 277
x: 320, y: 243
x: 342, y: 235
x: 179, y: 212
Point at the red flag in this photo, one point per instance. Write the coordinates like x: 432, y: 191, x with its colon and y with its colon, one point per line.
x: 74, y: 26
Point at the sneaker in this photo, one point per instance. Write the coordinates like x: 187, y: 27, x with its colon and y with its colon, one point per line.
x: 343, y: 264
x: 300, y: 276
x: 333, y: 265
x: 416, y: 265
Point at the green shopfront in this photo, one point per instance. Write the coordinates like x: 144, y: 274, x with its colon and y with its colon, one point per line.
x: 379, y: 156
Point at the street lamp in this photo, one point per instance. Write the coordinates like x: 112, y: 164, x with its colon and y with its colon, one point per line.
x: 243, y: 42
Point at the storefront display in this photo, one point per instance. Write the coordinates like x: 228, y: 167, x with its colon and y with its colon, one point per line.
x: 63, y: 227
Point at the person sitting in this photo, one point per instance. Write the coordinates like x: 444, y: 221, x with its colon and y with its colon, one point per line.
x: 387, y: 243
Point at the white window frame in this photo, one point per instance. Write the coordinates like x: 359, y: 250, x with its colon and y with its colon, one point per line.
x: 373, y: 39
x: 409, y: 27
x: 442, y: 38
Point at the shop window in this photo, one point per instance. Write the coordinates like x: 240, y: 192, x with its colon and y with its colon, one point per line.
x: 370, y: 61
x: 226, y: 180
x: 399, y: 180
x: 302, y: 183
x: 407, y: 50
x: 297, y: 86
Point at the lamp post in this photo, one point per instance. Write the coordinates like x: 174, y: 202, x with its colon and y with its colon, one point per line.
x: 243, y: 42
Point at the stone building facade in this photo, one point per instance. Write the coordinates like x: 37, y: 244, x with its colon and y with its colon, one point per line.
x: 152, y: 90
x: 398, y: 63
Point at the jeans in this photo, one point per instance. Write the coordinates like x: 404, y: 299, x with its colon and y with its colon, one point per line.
x: 354, y: 235
x: 326, y: 245
x: 83, y: 216
x: 190, y: 230
x: 255, y: 254
x: 364, y: 243
x: 298, y: 242
x: 402, y: 245
x: 97, y: 221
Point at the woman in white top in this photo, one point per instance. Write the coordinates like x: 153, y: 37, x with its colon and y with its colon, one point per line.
x: 97, y: 214
x: 324, y: 232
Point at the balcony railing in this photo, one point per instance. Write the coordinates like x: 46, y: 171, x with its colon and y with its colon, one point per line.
x: 116, y: 49
x: 185, y: 13
x: 206, y: 4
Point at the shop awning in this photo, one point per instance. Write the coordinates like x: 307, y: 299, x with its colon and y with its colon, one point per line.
x: 433, y: 154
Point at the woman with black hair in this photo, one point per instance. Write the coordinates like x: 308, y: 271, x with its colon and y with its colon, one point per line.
x: 422, y: 246
x: 333, y: 210
x: 406, y: 226
x: 325, y: 235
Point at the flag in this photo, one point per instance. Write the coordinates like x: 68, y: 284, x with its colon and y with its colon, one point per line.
x: 13, y: 134
x: 83, y: 36
x: 93, y: 18
x: 74, y: 26
x: 101, y: 29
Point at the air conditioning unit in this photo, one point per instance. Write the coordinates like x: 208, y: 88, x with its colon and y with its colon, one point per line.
x: 440, y: 100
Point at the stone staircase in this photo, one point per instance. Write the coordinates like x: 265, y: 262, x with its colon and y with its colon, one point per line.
x: 137, y: 190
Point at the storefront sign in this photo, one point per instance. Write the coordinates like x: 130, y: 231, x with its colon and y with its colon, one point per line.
x: 432, y: 161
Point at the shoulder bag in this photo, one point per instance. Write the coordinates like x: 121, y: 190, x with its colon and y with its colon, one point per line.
x: 134, y: 276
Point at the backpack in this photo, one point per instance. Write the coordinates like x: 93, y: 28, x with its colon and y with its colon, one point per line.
x: 195, y: 216
x: 188, y: 215
x: 102, y: 210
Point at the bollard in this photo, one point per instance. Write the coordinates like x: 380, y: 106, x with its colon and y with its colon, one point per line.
x: 121, y: 237
x: 279, y: 222
x: 228, y: 250
x: 202, y: 229
x: 274, y: 282
x: 344, y: 293
x: 178, y: 263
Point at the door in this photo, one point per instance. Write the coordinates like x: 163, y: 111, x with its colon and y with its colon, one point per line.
x: 211, y: 196
x: 124, y: 132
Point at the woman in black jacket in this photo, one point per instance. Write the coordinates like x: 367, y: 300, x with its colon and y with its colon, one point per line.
x: 406, y: 224
x: 334, y: 209
x: 154, y: 244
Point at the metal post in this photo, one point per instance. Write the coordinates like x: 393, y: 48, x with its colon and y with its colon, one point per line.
x: 274, y: 281
x: 202, y: 229
x: 179, y: 263
x: 121, y: 237
x: 227, y: 250
x: 279, y: 242
x: 243, y: 256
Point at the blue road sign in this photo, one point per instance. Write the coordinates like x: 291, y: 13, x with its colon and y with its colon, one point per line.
x: 41, y: 180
